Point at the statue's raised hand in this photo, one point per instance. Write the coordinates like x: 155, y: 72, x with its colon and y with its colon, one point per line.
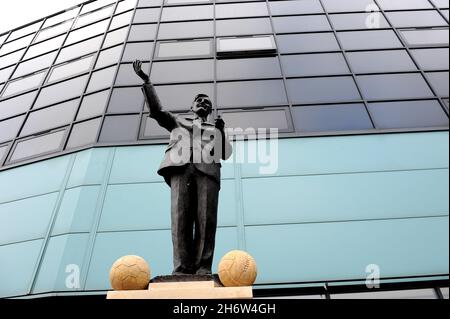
x: 137, y: 65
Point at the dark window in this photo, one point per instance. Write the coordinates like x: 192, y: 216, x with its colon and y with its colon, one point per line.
x: 380, y: 61
x: 180, y: 97
x: 9, y: 128
x: 299, y: 43
x: 440, y: 82
x: 243, y: 27
x: 432, y: 59
x: 365, y: 40
x: 183, y: 71
x: 190, y: 30
x: 295, y: 7
x: 339, y: 117
x: 16, y: 105
x: 61, y: 91
x: 109, y: 56
x: 257, y: 119
x: 248, y: 68
x: 183, y: 48
x: 102, y: 79
x: 93, y: 105
x: 147, y: 15
x: 416, y: 19
x: 140, y: 50
x: 187, y: 13
x: 79, y: 49
x: 120, y: 128
x: 301, y: 24
x: 84, y: 133
x: 314, y: 64
x: 354, y: 21
x: 126, y: 100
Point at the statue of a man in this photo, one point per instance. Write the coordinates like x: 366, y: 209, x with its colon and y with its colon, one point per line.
x: 191, y: 167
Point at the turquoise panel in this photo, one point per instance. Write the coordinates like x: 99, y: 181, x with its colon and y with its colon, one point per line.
x: 226, y: 241
x: 76, y: 213
x: 227, y: 213
x: 136, y: 207
x: 336, y: 197
x: 26, y: 219
x: 17, y: 266
x: 339, y: 251
x: 62, y: 262
x: 31, y: 180
x: 358, y: 154
x: 90, y: 167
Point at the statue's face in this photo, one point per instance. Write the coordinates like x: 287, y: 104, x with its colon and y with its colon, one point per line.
x: 202, y: 106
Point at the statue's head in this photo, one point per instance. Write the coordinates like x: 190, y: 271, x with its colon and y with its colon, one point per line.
x: 202, y: 105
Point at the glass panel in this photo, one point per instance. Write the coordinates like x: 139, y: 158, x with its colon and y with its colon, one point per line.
x: 322, y: 90
x: 257, y: 43
x: 314, y: 64
x: 23, y: 84
x: 16, y: 45
x: 108, y: 57
x: 87, y: 32
x: 150, y: 3
x: 351, y: 21
x: 364, y: 40
x: 79, y: 49
x: 440, y: 82
x: 38, y: 146
x: 70, y: 69
x: 10, y: 128
x: 349, y: 5
x: 152, y: 129
x: 10, y: 59
x: 248, y: 68
x: 33, y: 65
x: 44, y: 47
x: 393, y: 86
x: 94, y: 16
x: 261, y: 119
x: 84, y: 133
x: 295, y: 7
x: 51, y: 117
x: 61, y: 17
x: 187, y: 13
x: 121, y: 20
x: 142, y: 51
x: 96, y: 5
x: 301, y: 24
x: 339, y: 117
x: 51, y: 32
x: 183, y: 48
x: 126, y: 100
x: 380, y: 61
x: 183, y: 71
x: 241, y: 10
x: 441, y: 3
x: 186, y: 30
x: 243, y: 27
x: 126, y: 5
x: 416, y: 19
x: 294, y: 43
x: 127, y: 76
x: 93, y: 105
x: 16, y: 105
x: 115, y: 37
x: 61, y: 91
x: 432, y: 59
x: 147, y: 15
x: 3, y: 149
x: 25, y: 31
x: 120, y: 128
x: 142, y: 32
x: 102, y: 79
x: 404, y: 4
x: 408, y: 114
x: 180, y: 97
x: 426, y: 37
x: 252, y: 93
x: 5, y: 74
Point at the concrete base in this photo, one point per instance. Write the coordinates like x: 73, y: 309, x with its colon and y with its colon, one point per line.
x: 184, y: 290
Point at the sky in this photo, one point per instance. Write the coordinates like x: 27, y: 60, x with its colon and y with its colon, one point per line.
x: 15, y: 13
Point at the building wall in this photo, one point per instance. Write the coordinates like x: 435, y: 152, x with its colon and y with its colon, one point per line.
x: 334, y: 206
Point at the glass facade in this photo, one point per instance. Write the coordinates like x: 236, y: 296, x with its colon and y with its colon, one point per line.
x: 303, y: 66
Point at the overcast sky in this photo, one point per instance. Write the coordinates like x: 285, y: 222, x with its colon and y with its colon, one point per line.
x: 14, y: 13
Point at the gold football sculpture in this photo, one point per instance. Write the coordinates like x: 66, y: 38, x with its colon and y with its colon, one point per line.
x: 237, y: 269
x: 129, y: 273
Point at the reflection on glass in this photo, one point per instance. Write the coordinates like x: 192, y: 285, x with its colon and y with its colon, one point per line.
x: 187, y: 13
x: 70, y: 69
x: 126, y: 5
x: 37, y: 146
x: 96, y: 5
x: 241, y: 10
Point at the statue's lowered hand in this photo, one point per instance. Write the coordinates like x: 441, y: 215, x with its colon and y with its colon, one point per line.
x: 137, y: 65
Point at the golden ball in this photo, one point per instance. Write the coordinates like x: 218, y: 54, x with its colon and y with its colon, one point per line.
x: 237, y: 269
x: 129, y: 273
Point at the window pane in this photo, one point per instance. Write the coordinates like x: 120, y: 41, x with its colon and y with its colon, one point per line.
x: 108, y: 57
x: 416, y: 19
x: 16, y: 45
x: 120, y: 128
x: 70, y: 69
x: 115, y: 37
x: 23, y: 84
x: 440, y: 82
x: 10, y: 128
x: 252, y: 93
x: 126, y: 100
x: 322, y: 90
x: 87, y: 32
x: 180, y: 97
x: 142, y: 32
x: 25, y: 31
x: 10, y: 59
x: 186, y: 30
x: 142, y: 51
x: 93, y: 105
x: 5, y: 74
x: 152, y: 128
x: 408, y: 114
x: 348, y: 5
x: 187, y: 13
x: 295, y: 7
x: 93, y: 16
x: 84, y: 133
x: 404, y: 4
x: 38, y: 146
x: 96, y: 5
x: 79, y: 49
x: 183, y: 48
x: 432, y: 59
x: 44, y: 47
x: 363, y: 40
x: 146, y: 15
x: 36, y: 64
x: 241, y: 10
x: 266, y: 119
x: 61, y: 91
x: 301, y: 24
x: 126, y: 5
x: 339, y: 117
x: 61, y: 17
x: 426, y: 37
x: 314, y: 64
x: 441, y: 3
x: 380, y: 61
x: 393, y: 86
x: 51, y: 117
x: 245, y: 45
x: 102, y: 79
x: 16, y: 105
x: 3, y: 149
x: 294, y: 43
x: 243, y: 27
x: 51, y: 32
x: 121, y: 20
x: 248, y: 68
x: 127, y: 76
x: 351, y: 21
x: 150, y: 3
x: 183, y: 71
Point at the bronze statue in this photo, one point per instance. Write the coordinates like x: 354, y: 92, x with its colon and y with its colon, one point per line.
x: 191, y: 167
